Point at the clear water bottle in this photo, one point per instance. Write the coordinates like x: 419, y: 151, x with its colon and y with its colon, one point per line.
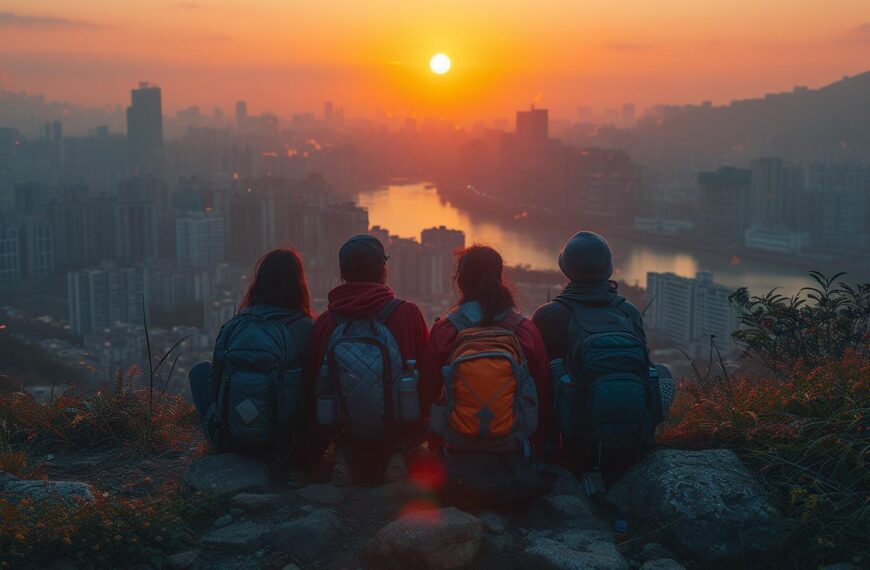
x: 327, y: 405
x: 409, y: 399
x: 566, y: 395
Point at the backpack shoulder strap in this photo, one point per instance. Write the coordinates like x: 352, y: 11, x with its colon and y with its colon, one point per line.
x: 384, y: 314
x: 459, y: 321
x: 511, y: 321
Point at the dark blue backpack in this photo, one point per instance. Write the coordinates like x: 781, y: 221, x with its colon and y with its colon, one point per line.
x: 361, y: 372
x: 258, y: 398
x: 608, y: 403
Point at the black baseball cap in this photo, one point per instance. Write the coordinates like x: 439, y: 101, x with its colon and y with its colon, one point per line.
x: 362, y: 251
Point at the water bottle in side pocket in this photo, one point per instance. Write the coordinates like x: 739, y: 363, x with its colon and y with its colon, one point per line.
x: 409, y: 398
x: 327, y: 405
x: 566, y: 396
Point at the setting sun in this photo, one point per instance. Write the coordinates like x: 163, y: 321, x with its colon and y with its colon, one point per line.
x: 439, y: 63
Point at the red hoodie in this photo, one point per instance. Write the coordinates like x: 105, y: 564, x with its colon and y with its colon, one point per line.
x: 438, y: 350
x: 363, y: 300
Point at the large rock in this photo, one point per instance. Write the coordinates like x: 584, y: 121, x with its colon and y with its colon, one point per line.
x: 241, y: 536
x: 48, y: 491
x: 326, y: 494
x: 662, y: 564
x: 432, y: 539
x: 305, y: 537
x: 707, y: 502
x: 257, y: 502
x: 227, y: 474
x: 574, y: 550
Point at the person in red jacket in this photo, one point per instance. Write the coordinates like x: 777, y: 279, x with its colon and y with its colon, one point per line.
x: 365, y: 295
x: 490, y: 476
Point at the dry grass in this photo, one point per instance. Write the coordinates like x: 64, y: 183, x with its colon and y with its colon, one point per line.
x: 806, y: 434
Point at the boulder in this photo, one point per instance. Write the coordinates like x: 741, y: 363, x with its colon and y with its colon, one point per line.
x: 240, y: 536
x: 226, y: 474
x: 182, y: 560
x: 564, y: 481
x: 569, y: 506
x: 574, y: 550
x: 431, y: 539
x: 305, y: 537
x: 707, y: 502
x: 256, y: 502
x: 493, y: 522
x: 51, y: 491
x: 326, y: 494
x: 653, y: 551
x: 662, y: 564
x: 223, y: 521
x: 6, y: 478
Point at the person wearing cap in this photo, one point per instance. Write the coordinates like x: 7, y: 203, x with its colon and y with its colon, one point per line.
x: 587, y: 261
x: 363, y: 294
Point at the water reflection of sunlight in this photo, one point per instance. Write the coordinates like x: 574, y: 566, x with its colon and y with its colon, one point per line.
x: 406, y: 210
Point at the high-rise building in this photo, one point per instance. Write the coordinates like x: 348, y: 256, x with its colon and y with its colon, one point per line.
x: 26, y: 247
x: 443, y: 238
x: 241, y: 115
x: 199, y: 239
x: 99, y: 298
x: 604, y: 186
x: 839, y: 198
x: 328, y: 112
x: 723, y: 204
x: 691, y: 311
x: 145, y: 129
x: 533, y: 126
x: 10, y: 254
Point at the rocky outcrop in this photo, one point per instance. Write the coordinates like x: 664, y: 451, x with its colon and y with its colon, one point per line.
x: 226, y: 474
x: 305, y: 537
x: 437, y: 539
x: 574, y: 550
x: 47, y: 491
x: 707, y: 503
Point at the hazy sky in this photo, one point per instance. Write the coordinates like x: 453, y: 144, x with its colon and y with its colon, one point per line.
x: 290, y: 55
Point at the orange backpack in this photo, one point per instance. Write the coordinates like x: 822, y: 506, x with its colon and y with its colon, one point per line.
x: 489, y: 402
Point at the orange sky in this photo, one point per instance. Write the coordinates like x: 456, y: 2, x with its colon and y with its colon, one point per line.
x: 291, y: 55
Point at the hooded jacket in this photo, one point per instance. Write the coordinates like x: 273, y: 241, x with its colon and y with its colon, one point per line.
x: 438, y: 349
x: 364, y: 300
x: 554, y: 318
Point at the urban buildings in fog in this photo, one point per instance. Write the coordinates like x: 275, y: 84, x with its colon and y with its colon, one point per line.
x: 145, y: 129
x: 690, y: 311
x: 103, y: 297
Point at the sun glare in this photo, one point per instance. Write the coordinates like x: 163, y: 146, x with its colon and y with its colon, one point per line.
x: 439, y: 63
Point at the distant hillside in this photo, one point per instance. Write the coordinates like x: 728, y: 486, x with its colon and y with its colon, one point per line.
x: 832, y: 122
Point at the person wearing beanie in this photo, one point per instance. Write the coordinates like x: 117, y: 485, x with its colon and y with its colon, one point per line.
x: 590, y: 303
x: 363, y: 295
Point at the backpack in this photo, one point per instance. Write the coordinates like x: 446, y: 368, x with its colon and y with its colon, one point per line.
x: 258, y: 396
x: 364, y: 367
x: 489, y: 402
x: 607, y: 404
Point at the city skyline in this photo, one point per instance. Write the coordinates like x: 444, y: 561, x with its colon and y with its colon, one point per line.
x: 561, y: 55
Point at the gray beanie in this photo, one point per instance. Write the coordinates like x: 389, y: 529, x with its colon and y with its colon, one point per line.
x: 586, y: 257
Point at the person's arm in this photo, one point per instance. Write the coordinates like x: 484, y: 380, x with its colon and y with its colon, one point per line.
x: 217, y: 363
x: 434, y: 357
x: 539, y: 368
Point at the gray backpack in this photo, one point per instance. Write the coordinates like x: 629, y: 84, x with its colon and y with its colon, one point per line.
x: 364, y: 367
x: 258, y: 395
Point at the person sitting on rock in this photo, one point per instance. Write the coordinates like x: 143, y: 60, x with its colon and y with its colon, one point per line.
x: 251, y: 395
x: 486, y: 369
x: 609, y: 396
x: 366, y: 343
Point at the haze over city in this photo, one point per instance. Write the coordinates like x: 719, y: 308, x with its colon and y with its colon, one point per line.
x: 292, y: 55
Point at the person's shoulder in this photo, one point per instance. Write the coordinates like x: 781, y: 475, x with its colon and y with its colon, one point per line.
x: 408, y: 309
x: 549, y: 311
x: 629, y: 307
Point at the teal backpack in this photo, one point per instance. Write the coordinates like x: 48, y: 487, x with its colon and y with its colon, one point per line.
x: 257, y: 398
x: 608, y: 402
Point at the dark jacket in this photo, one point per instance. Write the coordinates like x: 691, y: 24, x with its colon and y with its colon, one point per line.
x: 553, y: 318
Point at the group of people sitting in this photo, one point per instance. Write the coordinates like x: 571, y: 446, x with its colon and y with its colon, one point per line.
x: 490, y: 393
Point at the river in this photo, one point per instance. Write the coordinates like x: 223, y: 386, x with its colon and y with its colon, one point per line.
x: 407, y: 209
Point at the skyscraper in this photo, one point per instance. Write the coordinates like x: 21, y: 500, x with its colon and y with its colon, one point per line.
x: 145, y: 129
x: 533, y: 126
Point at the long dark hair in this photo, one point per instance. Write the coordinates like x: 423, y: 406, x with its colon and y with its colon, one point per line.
x: 279, y: 280
x: 479, y: 278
